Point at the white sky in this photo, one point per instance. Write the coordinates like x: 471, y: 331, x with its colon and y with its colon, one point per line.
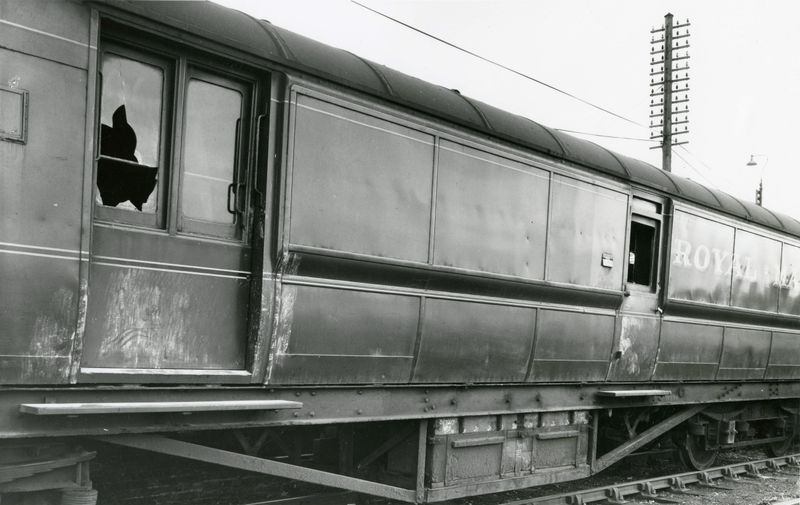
x: 745, y: 70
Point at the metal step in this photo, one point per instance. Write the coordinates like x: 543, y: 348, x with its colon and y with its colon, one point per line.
x: 74, y: 409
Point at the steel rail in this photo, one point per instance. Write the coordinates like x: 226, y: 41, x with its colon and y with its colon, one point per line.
x: 647, y: 488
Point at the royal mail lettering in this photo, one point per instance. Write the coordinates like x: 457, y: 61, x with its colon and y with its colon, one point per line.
x: 712, y: 262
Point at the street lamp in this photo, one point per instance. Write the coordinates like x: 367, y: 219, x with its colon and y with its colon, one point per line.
x: 753, y: 163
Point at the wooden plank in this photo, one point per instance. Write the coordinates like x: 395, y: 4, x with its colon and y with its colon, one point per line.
x: 49, y: 409
x: 624, y: 393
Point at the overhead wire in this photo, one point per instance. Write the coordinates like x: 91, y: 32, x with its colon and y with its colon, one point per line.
x: 695, y: 170
x: 547, y: 85
x: 641, y: 139
x: 492, y: 62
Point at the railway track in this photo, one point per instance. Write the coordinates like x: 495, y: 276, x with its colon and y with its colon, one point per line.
x: 678, y: 488
x: 769, y: 481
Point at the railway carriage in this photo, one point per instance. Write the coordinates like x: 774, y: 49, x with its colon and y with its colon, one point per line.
x: 223, y: 241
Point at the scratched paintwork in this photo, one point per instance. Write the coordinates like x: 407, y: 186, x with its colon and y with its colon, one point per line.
x: 635, y: 353
x: 150, y: 319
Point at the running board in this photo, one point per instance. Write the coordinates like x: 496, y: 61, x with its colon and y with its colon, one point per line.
x: 629, y: 393
x: 76, y: 409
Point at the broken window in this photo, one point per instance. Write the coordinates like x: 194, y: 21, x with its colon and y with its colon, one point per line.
x: 175, y: 128
x: 130, y: 133
x: 642, y: 251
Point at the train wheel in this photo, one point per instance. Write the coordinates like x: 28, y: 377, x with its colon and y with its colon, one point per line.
x: 692, y: 454
x: 783, y: 447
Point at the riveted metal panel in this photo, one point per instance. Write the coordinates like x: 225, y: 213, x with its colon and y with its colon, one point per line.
x: 744, y: 354
x: 756, y: 272
x: 688, y: 351
x: 701, y: 259
x: 156, y: 318
x: 784, y: 361
x: 336, y: 336
x: 636, y: 348
x: 491, y: 213
x: 474, y: 342
x: 572, y: 346
x: 587, y: 223
x: 790, y: 281
x: 359, y: 184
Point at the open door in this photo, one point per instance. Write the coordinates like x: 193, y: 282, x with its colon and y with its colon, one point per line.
x: 640, y: 318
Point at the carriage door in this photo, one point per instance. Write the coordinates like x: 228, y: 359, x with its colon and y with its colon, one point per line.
x: 638, y: 323
x: 170, y: 265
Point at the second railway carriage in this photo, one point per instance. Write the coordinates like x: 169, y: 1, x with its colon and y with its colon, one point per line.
x: 212, y: 228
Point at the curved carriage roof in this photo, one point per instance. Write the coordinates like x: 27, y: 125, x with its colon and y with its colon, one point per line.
x: 264, y: 40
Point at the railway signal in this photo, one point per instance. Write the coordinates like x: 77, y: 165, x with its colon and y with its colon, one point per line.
x: 669, y: 86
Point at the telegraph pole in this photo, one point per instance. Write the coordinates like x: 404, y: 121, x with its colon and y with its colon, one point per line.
x: 666, y: 84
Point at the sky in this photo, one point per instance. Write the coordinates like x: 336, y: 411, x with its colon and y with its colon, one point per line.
x: 744, y: 71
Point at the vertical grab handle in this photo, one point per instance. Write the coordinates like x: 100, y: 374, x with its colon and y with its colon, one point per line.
x: 256, y: 160
x: 97, y: 118
x: 233, y: 187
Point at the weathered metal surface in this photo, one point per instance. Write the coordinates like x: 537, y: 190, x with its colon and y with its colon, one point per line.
x: 756, y: 272
x: 491, y: 213
x: 326, y: 405
x: 636, y: 348
x: 790, y: 281
x: 40, y: 193
x: 359, y: 183
x: 744, y: 354
x: 196, y: 452
x: 477, y: 451
x: 701, y: 259
x: 473, y: 342
x: 586, y: 222
x: 688, y: 351
x: 572, y: 346
x: 784, y: 359
x: 140, y: 316
x: 325, y: 332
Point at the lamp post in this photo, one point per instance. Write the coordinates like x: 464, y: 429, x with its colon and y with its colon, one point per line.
x: 760, y: 189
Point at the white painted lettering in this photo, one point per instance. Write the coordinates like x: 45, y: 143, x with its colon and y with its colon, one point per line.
x: 720, y: 257
x: 682, y: 250
x: 702, y: 258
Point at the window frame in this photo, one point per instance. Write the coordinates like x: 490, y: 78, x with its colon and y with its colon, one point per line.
x: 160, y: 217
x: 242, y: 166
x: 181, y: 63
x: 649, y: 212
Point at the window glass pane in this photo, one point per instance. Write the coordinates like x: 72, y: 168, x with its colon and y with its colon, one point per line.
x: 209, y: 150
x: 130, y: 116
